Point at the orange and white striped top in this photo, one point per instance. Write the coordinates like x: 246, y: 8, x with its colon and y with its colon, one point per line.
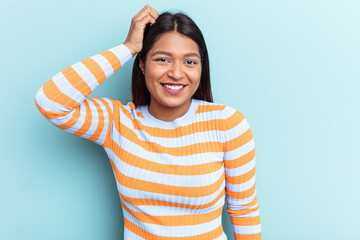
x: 172, y: 177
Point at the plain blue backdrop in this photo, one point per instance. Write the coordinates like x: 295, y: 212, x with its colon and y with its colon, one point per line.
x: 291, y: 67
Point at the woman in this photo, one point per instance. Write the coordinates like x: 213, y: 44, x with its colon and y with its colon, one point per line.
x: 174, y: 152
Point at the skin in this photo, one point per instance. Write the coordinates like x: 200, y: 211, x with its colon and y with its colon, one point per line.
x: 174, y: 67
x: 134, y: 39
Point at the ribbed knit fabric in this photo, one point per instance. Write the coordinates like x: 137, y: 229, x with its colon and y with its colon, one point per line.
x: 171, y: 176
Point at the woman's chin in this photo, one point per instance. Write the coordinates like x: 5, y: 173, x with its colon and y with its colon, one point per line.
x: 173, y: 103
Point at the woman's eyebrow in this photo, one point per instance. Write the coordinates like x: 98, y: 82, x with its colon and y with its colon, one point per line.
x: 191, y: 54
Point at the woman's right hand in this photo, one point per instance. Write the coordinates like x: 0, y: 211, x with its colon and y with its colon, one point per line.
x: 135, y: 36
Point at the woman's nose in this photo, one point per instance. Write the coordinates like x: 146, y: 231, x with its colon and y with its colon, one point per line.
x: 176, y: 71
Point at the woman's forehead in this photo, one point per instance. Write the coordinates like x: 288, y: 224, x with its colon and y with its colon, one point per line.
x: 175, y: 43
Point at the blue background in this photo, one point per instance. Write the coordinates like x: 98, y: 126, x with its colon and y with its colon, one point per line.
x: 291, y: 67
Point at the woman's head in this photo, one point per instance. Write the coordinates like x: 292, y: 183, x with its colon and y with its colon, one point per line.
x: 174, y: 51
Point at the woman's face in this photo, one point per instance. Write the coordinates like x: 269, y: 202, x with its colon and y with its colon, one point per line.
x: 172, y: 70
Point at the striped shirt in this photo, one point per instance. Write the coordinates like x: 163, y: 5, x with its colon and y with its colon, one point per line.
x: 173, y: 178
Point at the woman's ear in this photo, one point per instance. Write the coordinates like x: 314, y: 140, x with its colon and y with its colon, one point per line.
x: 141, y: 64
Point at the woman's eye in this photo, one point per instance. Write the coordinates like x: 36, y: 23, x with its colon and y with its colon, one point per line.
x: 191, y: 62
x: 161, y: 60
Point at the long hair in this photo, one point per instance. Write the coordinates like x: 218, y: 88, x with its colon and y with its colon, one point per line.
x: 166, y: 22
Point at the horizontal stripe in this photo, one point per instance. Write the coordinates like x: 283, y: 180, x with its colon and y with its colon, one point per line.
x: 151, y: 198
x: 165, y: 188
x: 48, y: 105
x: 85, y: 74
x: 248, y: 210
x: 76, y: 81
x: 180, y: 141
x: 53, y: 93
x: 211, y: 125
x: 244, y: 185
x: 188, y: 180
x: 68, y: 121
x: 122, y: 53
x: 242, y: 212
x: 238, y: 141
x: 237, y: 204
x: 189, y: 139
x: 66, y: 88
x: 174, y: 169
x: 129, y: 235
x: 241, y: 178
x: 106, y: 66
x: 245, y: 221
x: 247, y: 229
x: 222, y: 237
x: 166, y: 211
x: 209, y: 108
x: 234, y: 172
x: 50, y: 114
x: 242, y: 194
x: 95, y: 69
x: 161, y: 207
x: 78, y: 127
x: 208, y: 230
x: 175, y: 220
x: 245, y: 158
x: 112, y: 59
x: 253, y: 213
x: 239, y: 152
x: 210, y: 146
x: 211, y: 159
x: 256, y: 236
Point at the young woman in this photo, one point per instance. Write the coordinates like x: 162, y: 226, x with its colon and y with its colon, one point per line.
x: 174, y: 152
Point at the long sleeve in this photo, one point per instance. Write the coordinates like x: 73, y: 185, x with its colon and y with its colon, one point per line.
x: 239, y: 163
x: 64, y: 101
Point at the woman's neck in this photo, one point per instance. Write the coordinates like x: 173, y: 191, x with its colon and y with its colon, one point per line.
x: 168, y: 114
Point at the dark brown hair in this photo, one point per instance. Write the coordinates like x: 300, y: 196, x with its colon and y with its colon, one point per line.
x: 166, y: 22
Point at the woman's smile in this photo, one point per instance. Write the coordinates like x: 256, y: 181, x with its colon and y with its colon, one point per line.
x: 173, y: 88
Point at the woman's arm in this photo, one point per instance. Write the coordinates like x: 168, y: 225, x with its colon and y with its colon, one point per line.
x: 239, y: 163
x: 64, y: 101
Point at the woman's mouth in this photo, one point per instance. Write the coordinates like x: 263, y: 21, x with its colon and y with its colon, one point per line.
x: 173, y: 89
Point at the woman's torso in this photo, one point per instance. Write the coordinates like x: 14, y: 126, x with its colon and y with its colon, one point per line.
x: 170, y: 175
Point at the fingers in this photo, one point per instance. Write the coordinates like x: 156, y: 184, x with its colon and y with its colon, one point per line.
x: 154, y: 13
x: 144, y: 13
x: 138, y: 24
x: 146, y: 19
x: 138, y: 14
x: 148, y: 9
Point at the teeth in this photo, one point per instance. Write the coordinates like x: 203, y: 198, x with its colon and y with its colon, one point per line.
x: 174, y: 87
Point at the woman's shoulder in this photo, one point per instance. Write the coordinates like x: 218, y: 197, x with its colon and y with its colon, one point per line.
x: 223, y: 109
x: 227, y: 116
